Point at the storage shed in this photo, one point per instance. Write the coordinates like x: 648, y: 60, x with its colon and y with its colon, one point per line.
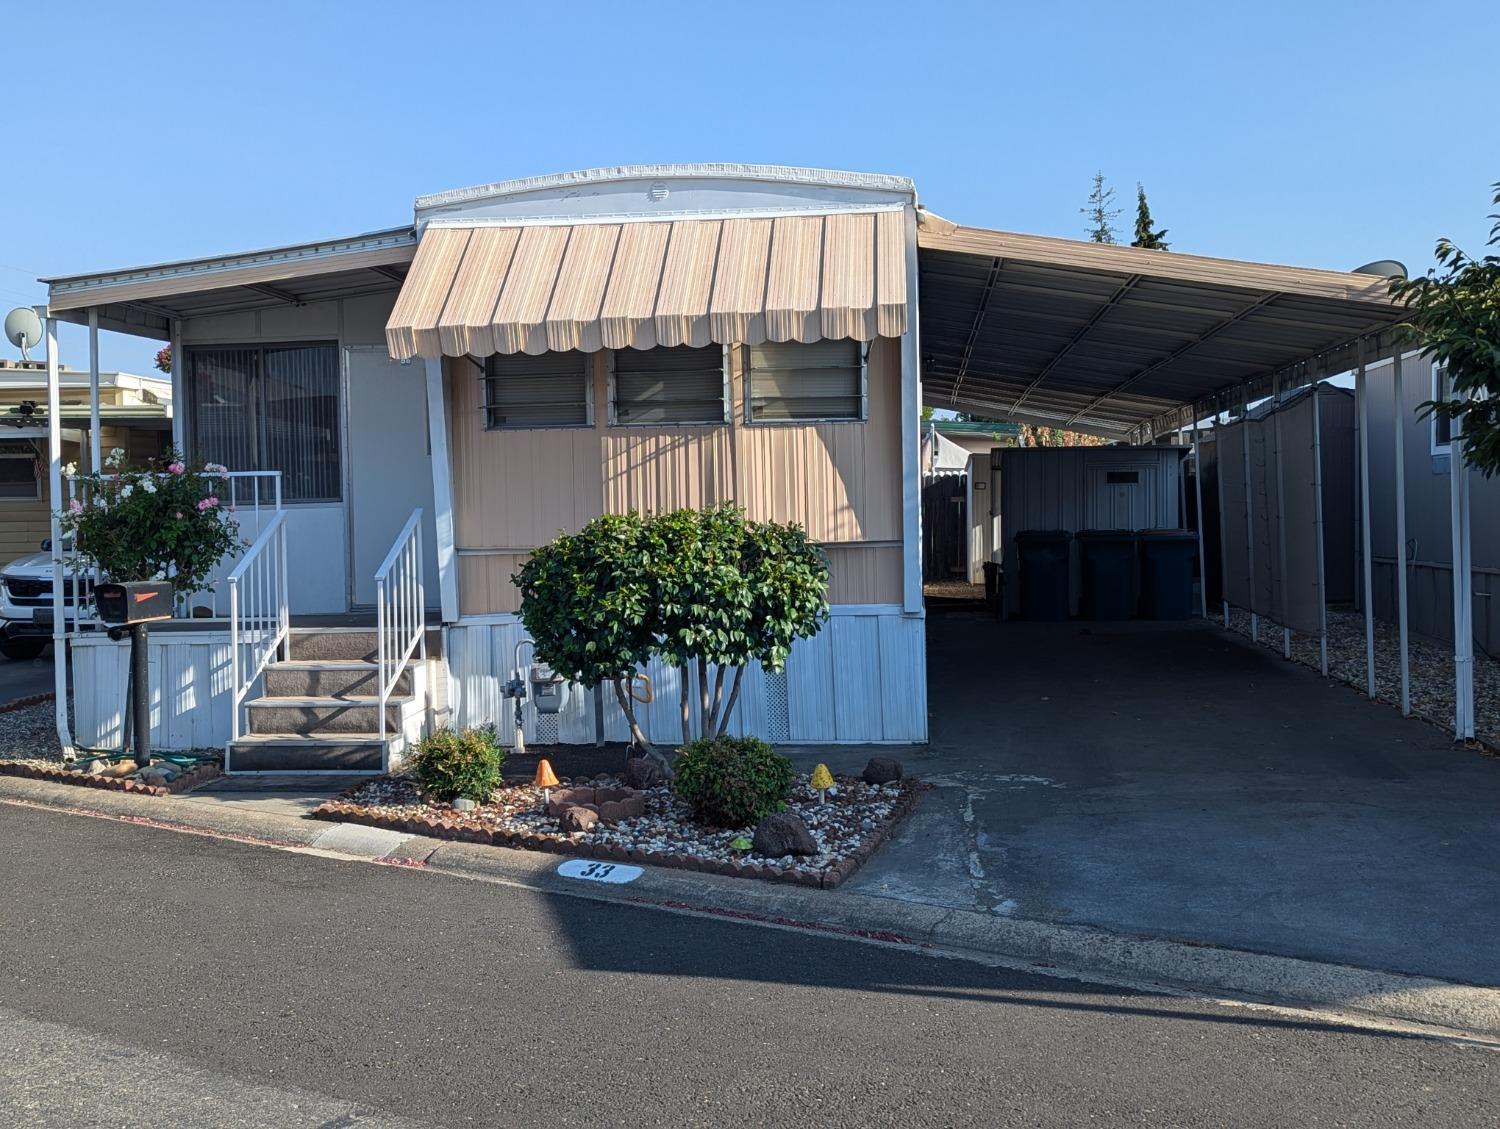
x: 1075, y: 488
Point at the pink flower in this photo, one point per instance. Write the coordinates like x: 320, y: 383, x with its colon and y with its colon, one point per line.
x: 206, y: 504
x: 179, y: 513
x: 176, y: 468
x: 75, y: 506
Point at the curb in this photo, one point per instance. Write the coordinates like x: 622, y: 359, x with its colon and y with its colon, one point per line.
x: 1067, y: 951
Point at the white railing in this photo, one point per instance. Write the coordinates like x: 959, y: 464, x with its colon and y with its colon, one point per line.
x: 254, y: 499
x: 259, y: 618
x: 400, y: 610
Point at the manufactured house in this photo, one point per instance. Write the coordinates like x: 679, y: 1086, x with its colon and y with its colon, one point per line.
x: 408, y: 413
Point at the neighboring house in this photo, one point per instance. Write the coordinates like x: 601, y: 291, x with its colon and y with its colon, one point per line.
x: 1428, y: 551
x: 529, y: 354
x: 134, y: 412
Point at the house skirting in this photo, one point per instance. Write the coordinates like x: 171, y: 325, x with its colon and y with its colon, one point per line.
x: 862, y: 679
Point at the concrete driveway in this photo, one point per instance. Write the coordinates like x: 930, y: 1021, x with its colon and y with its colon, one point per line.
x: 1173, y: 781
x: 23, y: 679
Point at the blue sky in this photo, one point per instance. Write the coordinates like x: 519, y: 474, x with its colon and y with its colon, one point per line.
x: 1323, y: 133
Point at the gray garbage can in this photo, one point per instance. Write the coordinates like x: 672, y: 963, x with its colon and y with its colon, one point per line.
x: 1106, y: 573
x: 1043, y: 555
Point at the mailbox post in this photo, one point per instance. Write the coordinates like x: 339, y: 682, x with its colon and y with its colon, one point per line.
x: 130, y: 609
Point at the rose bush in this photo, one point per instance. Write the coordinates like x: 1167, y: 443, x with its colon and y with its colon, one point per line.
x: 162, y: 521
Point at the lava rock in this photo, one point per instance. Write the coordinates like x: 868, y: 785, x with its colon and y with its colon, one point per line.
x: 643, y: 773
x: 631, y: 807
x: 578, y: 819
x: 783, y: 834
x: 882, y: 770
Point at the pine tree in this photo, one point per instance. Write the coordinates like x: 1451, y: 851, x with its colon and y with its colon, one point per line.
x: 1145, y: 234
x: 1100, y: 212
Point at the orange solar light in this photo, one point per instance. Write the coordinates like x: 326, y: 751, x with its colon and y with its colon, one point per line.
x: 546, y: 779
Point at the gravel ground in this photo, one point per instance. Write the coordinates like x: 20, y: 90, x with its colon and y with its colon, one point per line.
x: 953, y: 590
x: 1431, y: 666
x: 853, y: 812
x: 30, y: 734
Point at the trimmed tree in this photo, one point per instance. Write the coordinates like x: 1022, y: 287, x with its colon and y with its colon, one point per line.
x: 588, y: 603
x: 1453, y: 313
x: 1146, y: 233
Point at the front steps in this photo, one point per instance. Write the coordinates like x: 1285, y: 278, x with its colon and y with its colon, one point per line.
x: 320, y: 710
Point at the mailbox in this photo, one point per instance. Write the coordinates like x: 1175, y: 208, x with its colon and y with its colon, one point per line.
x: 139, y: 602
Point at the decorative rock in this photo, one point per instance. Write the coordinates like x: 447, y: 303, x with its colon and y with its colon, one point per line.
x: 158, y: 776
x: 643, y: 773
x: 882, y: 770
x: 783, y: 834
x: 578, y: 819
x: 463, y: 803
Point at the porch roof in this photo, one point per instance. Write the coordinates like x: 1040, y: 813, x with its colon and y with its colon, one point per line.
x: 1120, y: 341
x: 144, y: 300
x: 477, y: 289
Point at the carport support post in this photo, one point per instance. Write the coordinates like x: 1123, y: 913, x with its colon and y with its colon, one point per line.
x: 1198, y: 496
x: 1317, y: 453
x: 1400, y: 418
x: 55, y: 504
x: 1362, y: 394
x: 1249, y: 510
x: 1463, y: 594
x: 94, y: 461
x: 1221, y: 419
x: 1286, y: 632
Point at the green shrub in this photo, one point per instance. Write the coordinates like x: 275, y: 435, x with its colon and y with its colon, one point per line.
x: 732, y: 781
x: 450, y: 764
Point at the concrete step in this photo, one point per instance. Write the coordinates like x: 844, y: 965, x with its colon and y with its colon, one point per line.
x: 354, y: 752
x: 337, y: 643
x: 329, y: 678
x: 322, y: 716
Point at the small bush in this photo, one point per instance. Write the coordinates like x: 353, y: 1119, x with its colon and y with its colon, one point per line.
x: 450, y: 764
x: 732, y: 781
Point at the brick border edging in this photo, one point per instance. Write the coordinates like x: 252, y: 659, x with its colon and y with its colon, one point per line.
x: 191, y: 778
x: 28, y: 701
x: 458, y: 830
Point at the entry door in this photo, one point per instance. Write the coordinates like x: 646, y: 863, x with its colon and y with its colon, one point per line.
x: 390, y: 470
x: 1117, y: 498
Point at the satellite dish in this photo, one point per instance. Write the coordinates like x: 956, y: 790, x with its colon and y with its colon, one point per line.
x: 1386, y: 268
x: 24, y: 329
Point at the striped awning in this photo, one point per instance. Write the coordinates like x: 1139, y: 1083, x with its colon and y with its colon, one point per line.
x: 476, y: 290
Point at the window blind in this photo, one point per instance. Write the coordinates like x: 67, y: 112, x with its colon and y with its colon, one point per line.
x: 678, y: 385
x: 548, y: 390
x: 821, y: 380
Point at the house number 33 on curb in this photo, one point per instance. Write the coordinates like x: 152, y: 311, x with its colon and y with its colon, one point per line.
x: 611, y: 872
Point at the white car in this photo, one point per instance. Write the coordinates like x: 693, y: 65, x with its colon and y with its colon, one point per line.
x: 26, y: 604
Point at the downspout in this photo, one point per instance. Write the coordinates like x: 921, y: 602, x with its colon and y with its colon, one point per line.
x: 55, y: 505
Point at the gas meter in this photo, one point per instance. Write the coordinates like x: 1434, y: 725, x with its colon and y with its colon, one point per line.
x: 547, y: 689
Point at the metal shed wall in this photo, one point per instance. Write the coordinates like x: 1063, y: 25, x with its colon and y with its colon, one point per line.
x: 1066, y: 488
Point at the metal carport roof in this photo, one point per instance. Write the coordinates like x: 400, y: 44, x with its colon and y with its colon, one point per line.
x: 1119, y: 341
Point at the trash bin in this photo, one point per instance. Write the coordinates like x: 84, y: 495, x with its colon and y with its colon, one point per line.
x: 1043, y: 556
x: 1167, y: 557
x: 994, y: 587
x: 1106, y: 574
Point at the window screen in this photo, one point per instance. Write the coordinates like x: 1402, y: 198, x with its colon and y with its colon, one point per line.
x: 1442, y: 390
x: 19, y: 479
x: 818, y: 381
x: 548, y: 390
x: 669, y: 386
x: 273, y: 408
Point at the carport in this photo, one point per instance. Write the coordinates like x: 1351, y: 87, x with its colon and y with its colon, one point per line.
x: 1134, y: 344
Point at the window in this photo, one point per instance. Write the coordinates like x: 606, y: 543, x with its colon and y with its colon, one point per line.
x: 1442, y: 427
x: 548, y: 390
x: 677, y: 385
x: 824, y: 380
x: 270, y: 408
x: 19, y: 477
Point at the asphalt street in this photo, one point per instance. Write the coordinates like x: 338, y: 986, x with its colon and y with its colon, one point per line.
x: 157, y: 978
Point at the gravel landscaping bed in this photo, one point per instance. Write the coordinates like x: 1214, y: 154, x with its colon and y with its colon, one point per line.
x: 845, y: 829
x: 28, y: 732
x: 1430, y: 663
